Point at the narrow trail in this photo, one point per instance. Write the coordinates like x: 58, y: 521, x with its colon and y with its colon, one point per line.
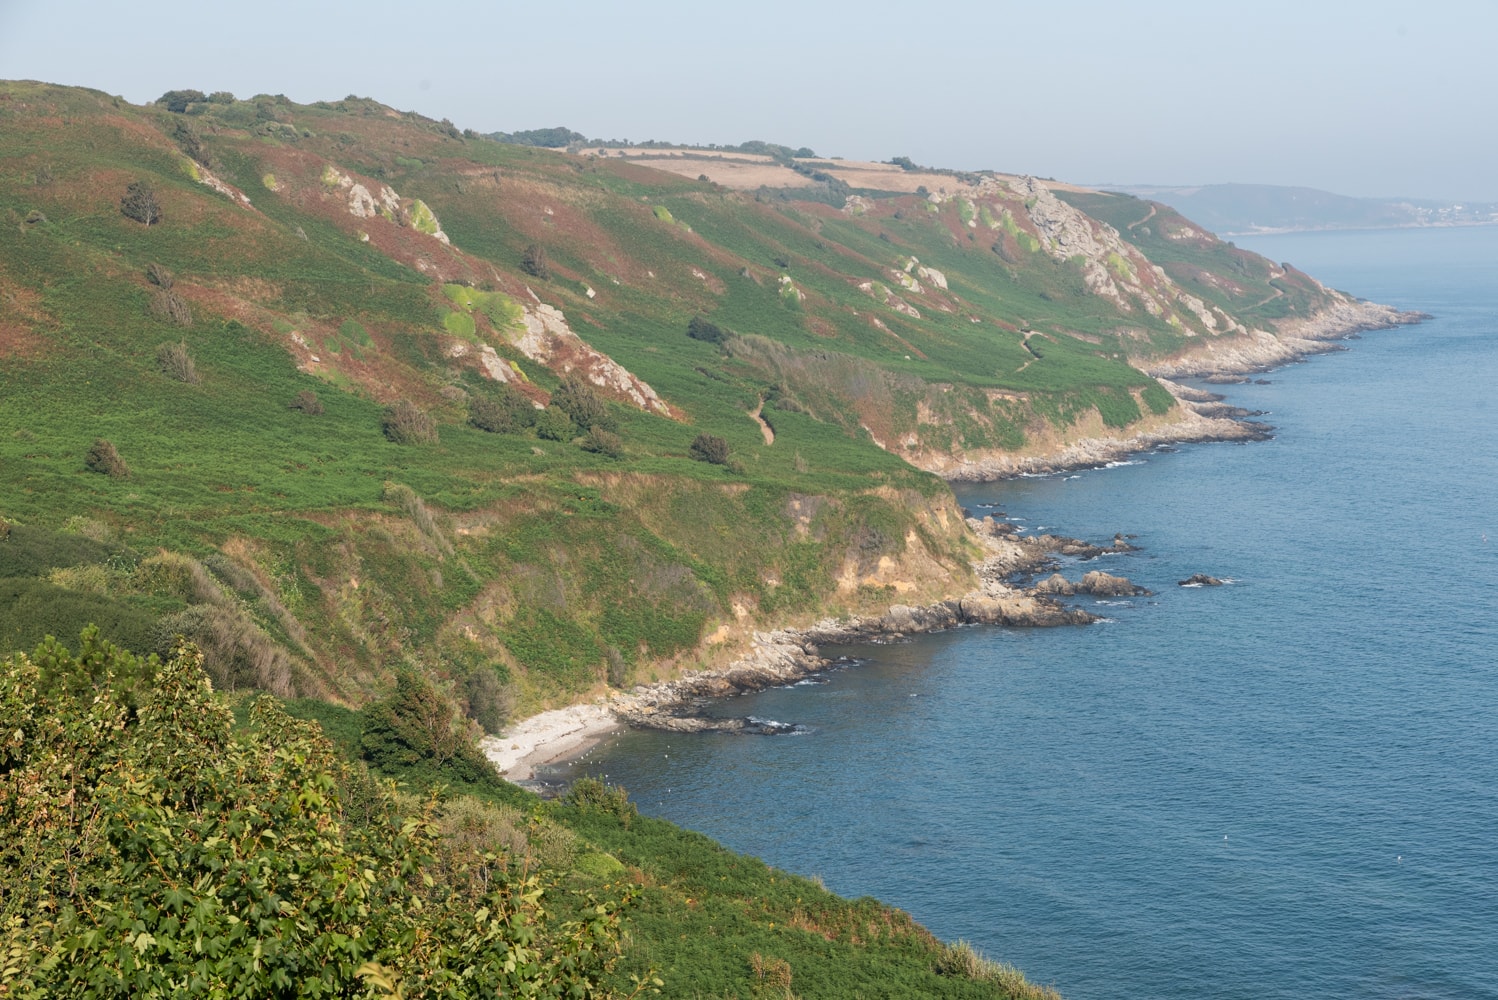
x: 764, y: 427
x: 1034, y: 354
x: 1279, y: 293
x: 1140, y: 222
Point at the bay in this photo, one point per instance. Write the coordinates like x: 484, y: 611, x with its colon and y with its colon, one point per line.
x: 1286, y: 786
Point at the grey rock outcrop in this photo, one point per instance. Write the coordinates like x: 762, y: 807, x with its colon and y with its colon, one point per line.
x: 1200, y: 580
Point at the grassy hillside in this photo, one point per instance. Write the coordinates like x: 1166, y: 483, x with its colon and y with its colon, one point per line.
x: 418, y: 432
x: 337, y: 389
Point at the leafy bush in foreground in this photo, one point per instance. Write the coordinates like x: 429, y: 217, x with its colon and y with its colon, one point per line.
x: 160, y: 853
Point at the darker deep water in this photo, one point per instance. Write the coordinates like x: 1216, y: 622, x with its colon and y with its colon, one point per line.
x: 1283, y: 787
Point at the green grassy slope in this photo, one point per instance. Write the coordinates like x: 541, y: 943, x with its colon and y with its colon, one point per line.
x: 370, y: 256
x: 314, y: 266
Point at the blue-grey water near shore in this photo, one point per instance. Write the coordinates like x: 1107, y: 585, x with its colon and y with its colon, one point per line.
x: 1283, y: 787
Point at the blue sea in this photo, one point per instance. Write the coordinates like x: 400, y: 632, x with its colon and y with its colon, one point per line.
x: 1283, y: 787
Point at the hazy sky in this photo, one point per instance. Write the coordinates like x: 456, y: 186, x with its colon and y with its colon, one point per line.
x: 1368, y: 98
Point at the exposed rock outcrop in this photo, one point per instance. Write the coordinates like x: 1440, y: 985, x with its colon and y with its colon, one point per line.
x: 1255, y: 351
x: 548, y: 339
x: 1200, y: 580
x: 1096, y: 583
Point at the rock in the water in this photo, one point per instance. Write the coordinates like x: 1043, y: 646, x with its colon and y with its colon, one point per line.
x: 1199, y: 580
x: 1056, y: 585
x: 1100, y: 584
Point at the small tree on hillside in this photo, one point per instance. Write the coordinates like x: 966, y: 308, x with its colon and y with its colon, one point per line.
x: 169, y: 307
x: 140, y: 203
x: 699, y: 328
x: 102, y: 457
x: 307, y: 402
x: 406, y: 423
x: 175, y: 361
x: 576, y: 398
x: 507, y: 412
x: 534, y: 262
x: 602, y: 442
x: 178, y: 100
x: 710, y: 448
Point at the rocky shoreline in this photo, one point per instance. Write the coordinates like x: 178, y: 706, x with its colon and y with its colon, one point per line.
x: 784, y: 656
x: 1259, y: 351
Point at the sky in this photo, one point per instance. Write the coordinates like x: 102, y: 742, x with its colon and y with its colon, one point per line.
x: 1375, y: 98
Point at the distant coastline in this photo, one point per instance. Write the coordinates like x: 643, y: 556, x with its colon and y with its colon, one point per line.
x: 1270, y: 210
x: 1294, y: 230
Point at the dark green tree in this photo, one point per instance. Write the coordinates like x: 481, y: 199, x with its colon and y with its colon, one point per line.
x: 576, y: 398
x: 178, y: 100
x: 418, y: 726
x: 710, y: 448
x: 699, y: 328
x: 506, y: 412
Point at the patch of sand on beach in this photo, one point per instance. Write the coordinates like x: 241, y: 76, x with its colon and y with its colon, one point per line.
x: 547, y: 738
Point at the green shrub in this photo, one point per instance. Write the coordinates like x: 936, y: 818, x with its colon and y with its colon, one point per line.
x: 102, y: 457
x: 576, y: 398
x: 700, y: 329
x: 251, y: 861
x: 405, y: 423
x: 602, y: 442
x: 552, y: 424
x: 589, y: 794
x: 178, y: 100
x: 507, y: 412
x: 307, y: 402
x: 710, y: 448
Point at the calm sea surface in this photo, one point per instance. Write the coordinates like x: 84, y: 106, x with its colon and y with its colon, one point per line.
x: 1285, y: 787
